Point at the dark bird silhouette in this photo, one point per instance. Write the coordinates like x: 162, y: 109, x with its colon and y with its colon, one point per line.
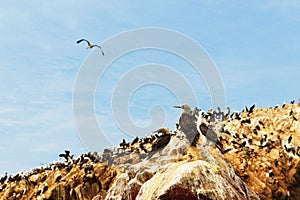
x: 290, y: 139
x: 227, y: 115
x: 89, y: 45
x: 210, y: 135
x: 276, y: 162
x: 136, y: 139
x: 162, y: 140
x: 3, y: 179
x: 246, y: 121
x: 66, y: 155
x: 123, y: 144
x: 251, y: 109
x: 57, y: 177
x: 187, y: 124
x: 246, y: 109
x: 298, y: 151
x: 162, y: 130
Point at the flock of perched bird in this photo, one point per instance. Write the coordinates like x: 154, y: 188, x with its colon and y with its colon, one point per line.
x: 82, y: 161
x: 224, y: 131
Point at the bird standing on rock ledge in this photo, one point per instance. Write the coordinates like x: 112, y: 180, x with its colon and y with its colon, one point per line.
x: 90, y: 45
x: 187, y: 124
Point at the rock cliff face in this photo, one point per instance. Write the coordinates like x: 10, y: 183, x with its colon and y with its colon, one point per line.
x: 249, y: 155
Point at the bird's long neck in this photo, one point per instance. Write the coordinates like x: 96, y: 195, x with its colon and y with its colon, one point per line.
x: 186, y: 111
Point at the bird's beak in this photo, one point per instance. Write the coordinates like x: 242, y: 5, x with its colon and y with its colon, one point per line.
x: 156, y: 131
x: 177, y: 106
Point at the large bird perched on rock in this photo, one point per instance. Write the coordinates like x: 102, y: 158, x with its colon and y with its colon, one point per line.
x: 89, y: 45
x: 187, y: 123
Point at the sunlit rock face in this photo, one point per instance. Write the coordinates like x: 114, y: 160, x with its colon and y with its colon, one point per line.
x: 249, y: 155
x: 265, y: 150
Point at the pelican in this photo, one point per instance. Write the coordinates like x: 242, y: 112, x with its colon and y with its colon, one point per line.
x: 89, y: 45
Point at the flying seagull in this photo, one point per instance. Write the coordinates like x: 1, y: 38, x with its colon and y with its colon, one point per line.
x: 89, y: 45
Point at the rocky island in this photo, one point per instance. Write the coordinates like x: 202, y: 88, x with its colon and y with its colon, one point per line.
x: 252, y: 154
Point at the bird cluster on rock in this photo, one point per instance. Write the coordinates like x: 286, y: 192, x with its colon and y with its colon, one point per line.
x: 140, y: 147
x: 198, y: 122
x: 269, y: 132
x: 84, y: 161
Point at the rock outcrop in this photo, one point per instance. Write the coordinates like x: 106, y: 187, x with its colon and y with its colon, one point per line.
x: 249, y: 155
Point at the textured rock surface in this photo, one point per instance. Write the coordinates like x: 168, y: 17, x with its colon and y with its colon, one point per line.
x: 249, y: 155
x: 265, y: 150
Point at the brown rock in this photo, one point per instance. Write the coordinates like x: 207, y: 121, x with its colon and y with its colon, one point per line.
x: 259, y: 158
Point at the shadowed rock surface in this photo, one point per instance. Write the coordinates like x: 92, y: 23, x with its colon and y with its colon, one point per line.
x: 249, y: 155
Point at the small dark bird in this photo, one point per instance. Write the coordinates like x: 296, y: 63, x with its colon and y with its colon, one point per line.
x: 226, y: 150
x: 257, y: 127
x: 123, y: 144
x: 45, y: 188
x: 298, y: 151
x: 243, y: 144
x: 66, y: 155
x: 161, y: 140
x: 89, y: 45
x: 276, y: 162
x: 236, y: 136
x: 250, y: 141
x: 227, y: 132
x: 162, y: 130
x: 271, y: 174
x: 261, y: 141
x: 136, y: 139
x: 228, y: 113
x: 251, y: 109
x: 290, y: 139
x: 246, y: 121
x: 38, y: 192
x: 57, y: 177
x: 255, y: 131
x: 3, y: 179
x: 44, y: 178
x: 293, y: 101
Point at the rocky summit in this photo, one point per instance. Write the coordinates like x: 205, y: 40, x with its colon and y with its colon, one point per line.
x: 253, y: 154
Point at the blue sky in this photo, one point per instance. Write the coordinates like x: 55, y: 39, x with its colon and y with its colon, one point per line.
x: 254, y: 45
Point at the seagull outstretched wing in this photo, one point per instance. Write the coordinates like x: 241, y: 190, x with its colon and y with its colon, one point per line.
x: 99, y: 48
x: 89, y: 45
x: 84, y: 40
